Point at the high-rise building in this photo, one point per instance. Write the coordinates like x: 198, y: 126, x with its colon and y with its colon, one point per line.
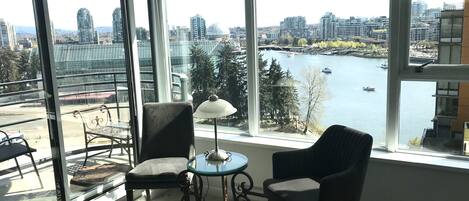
x: 142, y: 34
x: 327, y: 26
x: 182, y: 34
x: 418, y: 8
x: 447, y: 6
x: 348, y: 28
x: 117, y: 32
x: 198, y: 29
x: 451, y: 108
x: 7, y: 35
x: 86, y: 31
x: 295, y: 27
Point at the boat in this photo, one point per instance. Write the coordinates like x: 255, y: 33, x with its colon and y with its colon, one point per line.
x: 384, y: 66
x: 326, y: 70
x: 368, y: 89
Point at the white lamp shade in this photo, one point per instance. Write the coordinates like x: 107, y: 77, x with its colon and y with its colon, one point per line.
x: 214, y: 109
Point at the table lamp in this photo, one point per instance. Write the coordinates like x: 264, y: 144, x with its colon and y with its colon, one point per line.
x: 214, y: 108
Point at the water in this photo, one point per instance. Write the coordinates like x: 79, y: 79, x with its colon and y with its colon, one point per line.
x: 349, y: 105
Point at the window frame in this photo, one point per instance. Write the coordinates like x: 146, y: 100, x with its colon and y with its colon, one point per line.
x: 404, y: 71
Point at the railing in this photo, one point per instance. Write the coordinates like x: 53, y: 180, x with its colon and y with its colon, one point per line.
x: 96, y: 85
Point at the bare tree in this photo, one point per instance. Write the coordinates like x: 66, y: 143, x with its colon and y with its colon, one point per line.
x: 313, y: 93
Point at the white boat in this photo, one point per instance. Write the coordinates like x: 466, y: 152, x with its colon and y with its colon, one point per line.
x: 326, y: 70
x: 368, y: 89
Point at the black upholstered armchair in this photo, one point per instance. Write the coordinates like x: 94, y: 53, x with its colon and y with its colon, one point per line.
x: 333, y: 169
x: 167, y: 144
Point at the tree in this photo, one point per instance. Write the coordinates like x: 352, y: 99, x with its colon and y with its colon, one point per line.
x: 202, y: 75
x: 313, y: 87
x: 288, y: 100
x: 28, y: 66
x: 8, y: 68
x: 264, y: 92
x: 232, y: 79
x: 302, y: 42
x: 295, y: 41
x: 310, y: 41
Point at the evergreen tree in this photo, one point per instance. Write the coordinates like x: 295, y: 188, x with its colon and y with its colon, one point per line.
x: 25, y: 71
x: 274, y: 78
x: 202, y: 75
x: 264, y: 88
x: 8, y: 68
x: 232, y: 79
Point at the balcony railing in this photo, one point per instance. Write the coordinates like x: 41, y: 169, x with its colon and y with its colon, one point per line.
x: 82, y: 86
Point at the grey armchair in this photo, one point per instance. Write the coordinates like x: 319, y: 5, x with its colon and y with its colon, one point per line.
x: 167, y: 144
x: 333, y: 169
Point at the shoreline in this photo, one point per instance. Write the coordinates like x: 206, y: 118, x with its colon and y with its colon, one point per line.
x: 346, y: 52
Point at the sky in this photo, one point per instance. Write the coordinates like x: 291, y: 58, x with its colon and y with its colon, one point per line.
x: 225, y: 13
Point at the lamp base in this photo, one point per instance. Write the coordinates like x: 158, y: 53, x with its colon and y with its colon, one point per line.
x: 213, y: 155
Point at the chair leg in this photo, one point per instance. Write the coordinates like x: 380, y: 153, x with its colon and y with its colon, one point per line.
x: 147, y: 191
x: 129, y: 194
x: 112, y: 147
x: 35, y: 168
x: 128, y: 152
x: 19, y: 169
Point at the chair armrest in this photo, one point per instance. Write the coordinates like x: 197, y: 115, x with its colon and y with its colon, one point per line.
x: 10, y: 141
x: 4, y: 133
x: 289, y: 164
x: 341, y: 186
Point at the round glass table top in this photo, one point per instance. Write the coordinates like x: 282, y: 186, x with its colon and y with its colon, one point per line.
x: 236, y: 163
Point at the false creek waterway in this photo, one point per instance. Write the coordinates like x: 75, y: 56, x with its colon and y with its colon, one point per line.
x: 348, y: 104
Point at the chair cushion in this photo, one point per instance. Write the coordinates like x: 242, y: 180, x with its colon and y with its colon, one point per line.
x: 13, y: 150
x: 291, y: 190
x: 157, y: 170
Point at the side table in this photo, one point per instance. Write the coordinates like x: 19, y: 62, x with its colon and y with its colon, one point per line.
x: 235, y: 166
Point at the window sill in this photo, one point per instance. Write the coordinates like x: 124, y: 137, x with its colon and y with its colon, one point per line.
x: 423, y: 160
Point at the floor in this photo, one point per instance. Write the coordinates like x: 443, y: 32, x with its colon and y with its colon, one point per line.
x: 30, y: 187
x: 164, y: 195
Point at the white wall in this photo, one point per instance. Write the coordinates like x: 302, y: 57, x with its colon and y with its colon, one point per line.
x: 385, y: 180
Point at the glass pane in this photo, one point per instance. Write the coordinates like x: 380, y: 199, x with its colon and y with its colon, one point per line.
x: 22, y: 110
x: 433, y: 123
x: 326, y: 65
x: 456, y: 54
x: 434, y: 23
x: 92, y: 82
x: 444, y: 54
x: 144, y: 51
x: 213, y: 61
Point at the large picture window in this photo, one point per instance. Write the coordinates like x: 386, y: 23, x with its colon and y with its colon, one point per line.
x: 320, y: 65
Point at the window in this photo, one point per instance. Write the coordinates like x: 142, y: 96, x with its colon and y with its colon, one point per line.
x: 204, y: 49
x: 321, y: 64
x: 93, y: 91
x: 440, y: 90
x: 22, y: 109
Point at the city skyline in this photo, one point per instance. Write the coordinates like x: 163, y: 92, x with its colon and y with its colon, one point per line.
x: 232, y: 17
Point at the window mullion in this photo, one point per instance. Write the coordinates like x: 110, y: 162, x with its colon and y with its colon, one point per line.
x: 252, y: 66
x: 398, y: 60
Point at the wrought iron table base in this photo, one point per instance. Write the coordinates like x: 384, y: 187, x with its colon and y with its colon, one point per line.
x: 240, y: 190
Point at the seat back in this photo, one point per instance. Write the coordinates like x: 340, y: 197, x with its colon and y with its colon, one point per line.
x: 341, y: 148
x: 168, y: 130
